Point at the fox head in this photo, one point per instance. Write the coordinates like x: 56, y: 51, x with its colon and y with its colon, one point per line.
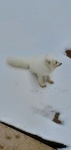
x: 52, y: 63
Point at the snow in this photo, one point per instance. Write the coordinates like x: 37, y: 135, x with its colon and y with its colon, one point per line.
x: 32, y: 28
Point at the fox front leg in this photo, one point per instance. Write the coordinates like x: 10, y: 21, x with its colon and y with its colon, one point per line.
x: 41, y: 81
x: 48, y: 79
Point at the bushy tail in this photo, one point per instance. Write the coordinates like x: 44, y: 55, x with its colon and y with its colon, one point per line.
x: 18, y: 62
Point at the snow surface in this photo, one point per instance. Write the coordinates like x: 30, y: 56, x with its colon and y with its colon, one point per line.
x: 32, y: 28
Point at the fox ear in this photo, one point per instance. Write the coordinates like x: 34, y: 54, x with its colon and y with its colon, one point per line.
x: 47, y: 61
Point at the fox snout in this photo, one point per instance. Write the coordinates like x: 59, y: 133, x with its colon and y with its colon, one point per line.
x: 60, y: 64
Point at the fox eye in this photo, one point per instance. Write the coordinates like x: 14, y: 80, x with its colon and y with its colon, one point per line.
x: 49, y: 62
x: 56, y: 62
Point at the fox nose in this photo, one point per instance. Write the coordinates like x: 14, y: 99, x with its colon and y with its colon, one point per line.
x: 60, y: 64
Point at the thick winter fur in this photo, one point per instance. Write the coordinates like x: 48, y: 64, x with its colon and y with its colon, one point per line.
x: 41, y: 66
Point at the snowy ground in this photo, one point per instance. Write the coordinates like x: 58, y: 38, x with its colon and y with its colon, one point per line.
x: 29, y: 28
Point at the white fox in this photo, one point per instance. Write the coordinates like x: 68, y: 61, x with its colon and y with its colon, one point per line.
x: 41, y: 66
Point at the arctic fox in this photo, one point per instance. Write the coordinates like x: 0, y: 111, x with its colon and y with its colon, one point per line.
x: 41, y: 66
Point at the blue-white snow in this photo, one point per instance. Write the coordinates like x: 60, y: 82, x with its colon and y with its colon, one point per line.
x: 32, y: 28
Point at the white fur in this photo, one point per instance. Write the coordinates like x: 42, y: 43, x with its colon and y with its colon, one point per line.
x: 16, y: 62
x: 41, y: 66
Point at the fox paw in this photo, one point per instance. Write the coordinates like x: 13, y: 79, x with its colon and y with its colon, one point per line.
x: 43, y: 85
x: 51, y: 82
